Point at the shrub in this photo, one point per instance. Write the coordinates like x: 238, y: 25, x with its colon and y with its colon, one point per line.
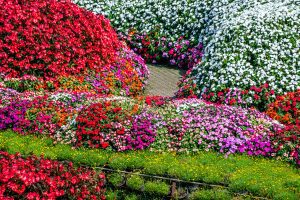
x: 99, y: 123
x: 156, y: 48
x: 161, y: 31
x: 287, y: 144
x: 249, y: 43
x: 37, y: 178
x: 50, y: 38
x: 131, y: 197
x: 170, y: 18
x: 13, y: 115
x: 193, y: 125
x: 52, y: 45
x: 258, y: 97
x: 286, y: 108
x: 108, y: 124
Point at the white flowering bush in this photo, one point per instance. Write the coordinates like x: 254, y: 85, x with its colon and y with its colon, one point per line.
x: 249, y: 43
x: 161, y: 31
x: 174, y: 18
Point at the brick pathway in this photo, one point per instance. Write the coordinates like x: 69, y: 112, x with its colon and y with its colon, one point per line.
x: 163, y: 80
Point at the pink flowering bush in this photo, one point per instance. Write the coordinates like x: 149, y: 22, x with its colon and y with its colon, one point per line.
x: 201, y: 126
x: 156, y: 48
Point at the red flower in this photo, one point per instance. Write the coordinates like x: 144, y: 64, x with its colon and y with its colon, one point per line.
x: 33, y: 196
x: 121, y: 132
x: 56, y: 34
x: 104, y: 145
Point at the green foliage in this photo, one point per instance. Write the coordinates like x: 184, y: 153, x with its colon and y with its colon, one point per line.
x: 116, y: 179
x: 157, y: 188
x: 131, y: 197
x: 135, y: 182
x: 113, y: 194
x: 213, y: 194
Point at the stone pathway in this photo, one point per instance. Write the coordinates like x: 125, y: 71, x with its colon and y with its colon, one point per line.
x: 163, y: 80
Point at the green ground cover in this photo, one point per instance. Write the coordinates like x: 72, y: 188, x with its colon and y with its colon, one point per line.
x: 238, y: 173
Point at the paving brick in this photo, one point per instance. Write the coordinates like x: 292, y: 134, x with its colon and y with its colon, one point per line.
x: 163, y: 80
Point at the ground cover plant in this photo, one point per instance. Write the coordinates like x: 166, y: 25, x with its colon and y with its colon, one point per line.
x: 240, y: 173
x: 53, y: 45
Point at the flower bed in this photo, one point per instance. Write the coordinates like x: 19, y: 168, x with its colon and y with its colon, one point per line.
x: 40, y: 178
x: 120, y: 124
x: 249, y: 43
x: 155, y: 29
x: 52, y: 45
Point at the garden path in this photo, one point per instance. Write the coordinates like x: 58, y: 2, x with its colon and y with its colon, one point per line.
x: 163, y: 80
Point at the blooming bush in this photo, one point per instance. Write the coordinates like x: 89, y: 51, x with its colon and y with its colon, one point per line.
x: 40, y: 178
x: 249, y: 43
x: 286, y: 108
x: 261, y: 96
x: 55, y: 45
x: 155, y: 29
x: 171, y: 18
x: 156, y: 100
x: 100, y: 122
x: 13, y: 115
x: 287, y: 144
x: 109, y: 124
x: 193, y: 125
x: 50, y: 38
x: 155, y: 48
x: 8, y: 96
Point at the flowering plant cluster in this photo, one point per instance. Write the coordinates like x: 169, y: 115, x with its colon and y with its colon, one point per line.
x: 50, y: 38
x: 194, y: 125
x: 287, y: 144
x: 258, y: 97
x: 155, y: 48
x: 55, y: 45
x: 161, y: 124
x: 155, y: 29
x: 39, y: 178
x: 156, y: 101
x: 171, y: 18
x: 82, y: 119
x: 286, y: 108
x: 243, y: 49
